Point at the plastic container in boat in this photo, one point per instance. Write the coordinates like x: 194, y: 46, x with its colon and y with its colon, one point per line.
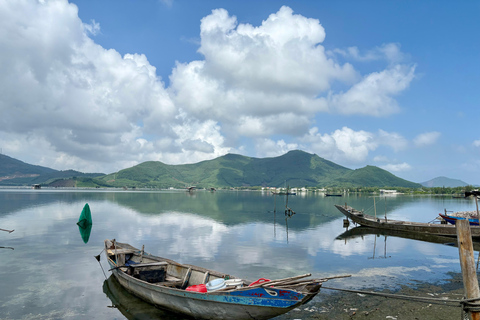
x: 238, y: 283
x: 197, y: 288
x: 216, y: 284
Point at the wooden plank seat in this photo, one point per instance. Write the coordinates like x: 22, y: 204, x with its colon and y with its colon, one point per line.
x: 171, y: 281
x: 120, y: 251
x: 151, y: 264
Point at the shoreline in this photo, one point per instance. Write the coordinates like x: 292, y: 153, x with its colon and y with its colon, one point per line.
x: 344, y: 305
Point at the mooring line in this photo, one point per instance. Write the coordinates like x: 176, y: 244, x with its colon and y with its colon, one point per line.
x: 453, y: 302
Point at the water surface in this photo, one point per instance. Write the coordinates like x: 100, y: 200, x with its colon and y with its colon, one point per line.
x: 52, y: 273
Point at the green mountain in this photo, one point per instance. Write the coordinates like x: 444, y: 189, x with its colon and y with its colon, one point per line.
x: 444, y: 182
x: 14, y: 172
x: 295, y: 168
x: 13, y: 167
x: 371, y: 176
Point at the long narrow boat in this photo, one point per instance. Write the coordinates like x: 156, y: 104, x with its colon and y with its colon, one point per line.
x: 366, y: 220
x: 181, y: 288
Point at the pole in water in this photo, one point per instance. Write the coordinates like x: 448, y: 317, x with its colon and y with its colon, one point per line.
x: 467, y: 263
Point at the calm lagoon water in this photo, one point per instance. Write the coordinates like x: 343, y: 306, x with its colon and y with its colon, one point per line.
x: 52, y: 273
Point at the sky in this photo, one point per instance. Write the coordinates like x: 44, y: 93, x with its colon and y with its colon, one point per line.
x: 100, y: 86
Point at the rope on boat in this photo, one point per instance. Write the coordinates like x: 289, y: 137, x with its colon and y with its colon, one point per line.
x: 98, y: 259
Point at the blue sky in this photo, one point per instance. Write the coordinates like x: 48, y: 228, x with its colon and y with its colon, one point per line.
x: 98, y: 86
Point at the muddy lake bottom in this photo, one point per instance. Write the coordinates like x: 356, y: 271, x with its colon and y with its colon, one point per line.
x: 344, y: 305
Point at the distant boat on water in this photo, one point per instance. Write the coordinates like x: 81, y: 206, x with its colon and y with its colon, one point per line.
x: 282, y: 193
x: 333, y: 195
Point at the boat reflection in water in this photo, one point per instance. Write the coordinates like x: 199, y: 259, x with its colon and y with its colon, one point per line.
x: 132, y: 307
x: 360, y: 232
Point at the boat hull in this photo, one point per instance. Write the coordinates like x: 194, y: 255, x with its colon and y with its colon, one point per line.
x: 246, y: 303
x: 453, y: 219
x: 429, y: 228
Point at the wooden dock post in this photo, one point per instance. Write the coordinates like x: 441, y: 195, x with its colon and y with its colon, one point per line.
x: 467, y: 263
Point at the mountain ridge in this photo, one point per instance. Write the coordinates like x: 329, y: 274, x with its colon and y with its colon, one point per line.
x: 444, y: 182
x: 295, y: 168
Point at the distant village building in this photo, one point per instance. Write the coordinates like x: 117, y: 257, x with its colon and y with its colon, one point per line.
x: 383, y: 191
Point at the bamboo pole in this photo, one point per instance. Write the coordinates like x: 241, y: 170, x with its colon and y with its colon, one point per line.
x: 478, y: 214
x: 467, y: 263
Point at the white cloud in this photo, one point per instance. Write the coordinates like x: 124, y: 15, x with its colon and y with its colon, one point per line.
x: 92, y: 109
x: 397, y: 167
x: 87, y: 106
x: 347, y: 145
x: 390, y: 52
x: 393, y: 139
x: 269, y: 148
x: 476, y: 143
x: 374, y: 94
x: 342, y: 145
x: 426, y: 139
x: 93, y: 28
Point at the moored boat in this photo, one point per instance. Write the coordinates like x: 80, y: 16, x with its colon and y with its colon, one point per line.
x: 202, y: 293
x: 452, y: 218
x: 359, y: 217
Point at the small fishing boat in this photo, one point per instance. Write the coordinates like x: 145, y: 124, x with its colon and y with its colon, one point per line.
x: 359, y: 217
x: 452, y: 218
x: 202, y: 293
x: 333, y: 194
x: 282, y: 193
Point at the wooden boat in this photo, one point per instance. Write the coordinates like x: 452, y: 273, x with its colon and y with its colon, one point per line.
x: 281, y: 193
x: 366, y: 220
x: 452, y: 219
x: 180, y: 288
x: 333, y: 195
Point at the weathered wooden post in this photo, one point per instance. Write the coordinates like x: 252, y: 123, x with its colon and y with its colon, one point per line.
x: 467, y: 263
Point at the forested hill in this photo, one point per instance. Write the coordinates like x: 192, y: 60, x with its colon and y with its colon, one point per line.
x: 295, y: 168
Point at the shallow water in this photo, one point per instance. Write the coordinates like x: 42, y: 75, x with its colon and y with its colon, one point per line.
x: 52, y: 273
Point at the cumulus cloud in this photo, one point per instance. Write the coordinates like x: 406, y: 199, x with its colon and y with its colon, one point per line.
x: 92, y: 109
x: 476, y: 143
x: 426, y: 139
x: 342, y: 145
x: 374, y: 94
x: 390, y: 52
x: 398, y: 167
x: 85, y: 103
x: 270, y: 148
